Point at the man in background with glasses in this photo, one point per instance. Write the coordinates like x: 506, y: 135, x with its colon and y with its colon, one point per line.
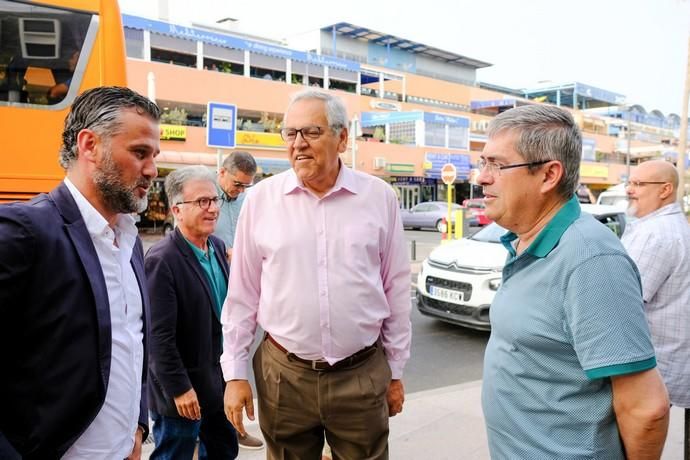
x: 320, y: 263
x: 187, y: 276
x: 569, y: 370
x: 234, y: 178
x: 659, y: 243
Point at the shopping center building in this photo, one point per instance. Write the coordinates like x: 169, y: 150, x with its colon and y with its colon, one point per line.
x: 412, y: 107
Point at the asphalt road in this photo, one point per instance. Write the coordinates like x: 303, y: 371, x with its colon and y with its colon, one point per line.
x: 442, y: 354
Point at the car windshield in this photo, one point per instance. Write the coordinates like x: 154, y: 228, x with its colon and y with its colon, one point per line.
x: 489, y: 234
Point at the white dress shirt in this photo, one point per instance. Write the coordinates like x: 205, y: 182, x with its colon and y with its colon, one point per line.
x: 111, y: 434
x: 325, y: 276
x: 659, y: 243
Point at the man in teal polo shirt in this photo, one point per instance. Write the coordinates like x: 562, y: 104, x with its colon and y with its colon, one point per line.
x: 569, y: 371
x: 187, y: 276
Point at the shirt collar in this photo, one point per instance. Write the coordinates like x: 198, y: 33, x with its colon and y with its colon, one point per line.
x: 346, y: 180
x: 95, y: 223
x: 673, y: 208
x: 198, y: 252
x: 550, y: 235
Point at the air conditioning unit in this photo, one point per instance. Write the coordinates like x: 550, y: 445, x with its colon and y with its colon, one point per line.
x: 379, y: 162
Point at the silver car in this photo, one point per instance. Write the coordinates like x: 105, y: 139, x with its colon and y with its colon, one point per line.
x: 428, y: 215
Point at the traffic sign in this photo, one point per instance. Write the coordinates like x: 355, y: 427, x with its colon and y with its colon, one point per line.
x: 448, y: 173
x: 221, y: 121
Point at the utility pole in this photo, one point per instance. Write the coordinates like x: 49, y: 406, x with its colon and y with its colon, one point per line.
x: 627, y: 154
x: 683, y: 138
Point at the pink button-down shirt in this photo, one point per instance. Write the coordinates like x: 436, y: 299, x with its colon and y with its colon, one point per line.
x: 324, y: 276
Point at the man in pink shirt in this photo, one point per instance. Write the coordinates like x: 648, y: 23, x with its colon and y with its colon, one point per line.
x: 320, y: 263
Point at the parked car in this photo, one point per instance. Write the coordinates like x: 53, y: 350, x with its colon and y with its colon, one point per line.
x: 475, y: 212
x: 428, y: 215
x: 614, y: 196
x: 458, y: 281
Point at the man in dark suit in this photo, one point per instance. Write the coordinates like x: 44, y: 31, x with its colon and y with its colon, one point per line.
x: 73, y: 302
x: 187, y: 276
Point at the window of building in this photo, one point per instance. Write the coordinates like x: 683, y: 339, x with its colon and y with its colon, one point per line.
x: 266, y: 74
x: 134, y: 43
x: 173, y: 57
x: 458, y: 137
x: 173, y: 50
x: 402, y: 133
x: 256, y: 121
x: 316, y: 81
x: 182, y: 113
x: 302, y: 70
x: 435, y: 134
x: 223, y: 66
x: 43, y: 52
x: 350, y: 87
x: 222, y: 59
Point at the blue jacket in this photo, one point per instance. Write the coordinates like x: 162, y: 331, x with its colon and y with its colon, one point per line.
x: 55, y: 332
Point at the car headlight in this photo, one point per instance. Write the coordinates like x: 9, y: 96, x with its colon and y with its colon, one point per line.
x: 494, y: 284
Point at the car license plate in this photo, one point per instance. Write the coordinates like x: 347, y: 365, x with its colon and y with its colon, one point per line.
x: 446, y: 294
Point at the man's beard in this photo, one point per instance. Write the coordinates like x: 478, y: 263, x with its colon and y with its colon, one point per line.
x: 631, y: 210
x: 116, y: 195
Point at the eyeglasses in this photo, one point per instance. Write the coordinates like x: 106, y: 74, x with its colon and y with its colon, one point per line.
x: 495, y: 169
x: 203, y: 203
x: 640, y: 183
x: 239, y: 184
x: 308, y: 132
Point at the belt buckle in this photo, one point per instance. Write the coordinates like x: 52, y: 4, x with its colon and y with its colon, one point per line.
x: 315, y: 365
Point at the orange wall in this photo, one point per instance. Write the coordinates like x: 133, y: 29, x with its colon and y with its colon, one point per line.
x: 177, y: 83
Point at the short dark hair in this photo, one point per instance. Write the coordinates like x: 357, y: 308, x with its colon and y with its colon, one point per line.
x: 240, y: 161
x: 544, y: 132
x: 99, y: 109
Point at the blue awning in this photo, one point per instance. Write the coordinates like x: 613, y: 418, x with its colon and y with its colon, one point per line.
x: 229, y: 41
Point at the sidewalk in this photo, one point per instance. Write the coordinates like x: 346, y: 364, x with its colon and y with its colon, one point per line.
x: 448, y: 424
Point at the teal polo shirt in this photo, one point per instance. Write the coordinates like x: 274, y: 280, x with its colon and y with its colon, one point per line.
x: 568, y: 316
x: 214, y: 274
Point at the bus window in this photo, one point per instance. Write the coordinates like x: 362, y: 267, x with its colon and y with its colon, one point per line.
x: 40, y: 48
x: 50, y: 51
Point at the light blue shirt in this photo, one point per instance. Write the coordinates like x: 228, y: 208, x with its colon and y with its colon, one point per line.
x: 567, y: 317
x: 228, y: 217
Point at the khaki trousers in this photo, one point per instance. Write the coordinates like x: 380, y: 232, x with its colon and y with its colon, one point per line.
x: 298, y: 406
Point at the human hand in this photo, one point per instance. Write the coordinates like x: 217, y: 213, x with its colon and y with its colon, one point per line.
x: 188, y: 405
x: 395, y: 397
x: 238, y: 396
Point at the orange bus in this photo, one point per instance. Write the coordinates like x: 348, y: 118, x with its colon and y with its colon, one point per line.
x: 50, y: 51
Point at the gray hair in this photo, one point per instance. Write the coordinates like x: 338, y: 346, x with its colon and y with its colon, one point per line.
x: 240, y: 161
x: 176, y: 180
x: 545, y: 132
x: 336, y: 112
x: 99, y: 109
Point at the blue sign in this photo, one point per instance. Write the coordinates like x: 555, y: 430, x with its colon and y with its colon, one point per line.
x: 444, y: 119
x: 476, y: 105
x: 598, y: 94
x: 228, y: 41
x: 437, y: 160
x: 221, y: 125
x: 384, y: 118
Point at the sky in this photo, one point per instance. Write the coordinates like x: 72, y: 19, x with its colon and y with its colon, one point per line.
x: 638, y: 48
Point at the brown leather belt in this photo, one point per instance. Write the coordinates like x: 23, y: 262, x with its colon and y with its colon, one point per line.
x: 323, y: 366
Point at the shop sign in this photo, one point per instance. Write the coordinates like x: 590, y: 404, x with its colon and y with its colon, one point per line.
x: 173, y: 133
x: 252, y: 138
x: 400, y: 167
x: 594, y: 171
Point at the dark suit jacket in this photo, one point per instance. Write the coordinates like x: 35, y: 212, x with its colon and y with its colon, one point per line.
x: 186, y: 335
x: 55, y: 336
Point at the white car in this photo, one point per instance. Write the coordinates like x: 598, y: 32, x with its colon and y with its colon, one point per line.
x: 458, y: 281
